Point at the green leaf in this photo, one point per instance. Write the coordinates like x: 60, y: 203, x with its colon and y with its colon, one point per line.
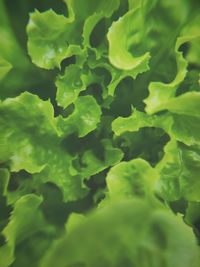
x: 182, y: 123
x: 133, y: 123
x: 186, y: 118
x: 83, y: 120
x: 47, y: 38
x: 179, y: 172
x: 110, y: 183
x: 192, y: 213
x: 18, y: 185
x: 192, y: 216
x: 138, y: 120
x: 89, y: 25
x: 26, y: 219
x: 10, y: 49
x: 94, y: 164
x: 50, y: 35
x: 71, y: 84
x: 143, y: 235
x: 74, y: 220
x: 186, y: 104
x: 135, y: 178
x: 119, y: 54
x: 185, y: 129
x: 17, y: 129
x: 193, y: 55
x: 5, y: 67
x: 82, y: 10
x: 4, y: 180
x: 133, y: 4
x: 105, y: 10
x: 35, y: 143
x: 161, y: 93
x: 117, y: 75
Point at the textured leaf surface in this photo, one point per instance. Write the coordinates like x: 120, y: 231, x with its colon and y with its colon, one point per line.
x: 99, y: 133
x: 141, y: 224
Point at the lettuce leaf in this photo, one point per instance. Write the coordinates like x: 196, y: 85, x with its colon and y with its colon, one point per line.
x: 142, y: 235
x: 20, y: 228
x: 99, y: 133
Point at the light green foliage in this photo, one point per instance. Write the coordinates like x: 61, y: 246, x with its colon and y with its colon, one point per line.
x: 24, y: 221
x: 111, y: 156
x: 35, y: 145
x: 99, y: 133
x: 119, y: 55
x: 5, y: 67
x: 71, y: 84
x: 179, y: 172
x: 83, y: 120
x: 161, y: 93
x: 147, y: 237
x: 47, y: 41
x: 133, y: 178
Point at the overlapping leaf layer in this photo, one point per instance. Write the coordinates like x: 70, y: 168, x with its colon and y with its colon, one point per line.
x: 99, y: 133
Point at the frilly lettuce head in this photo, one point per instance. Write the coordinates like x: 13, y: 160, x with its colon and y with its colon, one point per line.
x: 99, y: 133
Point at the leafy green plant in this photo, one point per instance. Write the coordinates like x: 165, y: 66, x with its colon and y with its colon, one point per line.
x: 99, y: 133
